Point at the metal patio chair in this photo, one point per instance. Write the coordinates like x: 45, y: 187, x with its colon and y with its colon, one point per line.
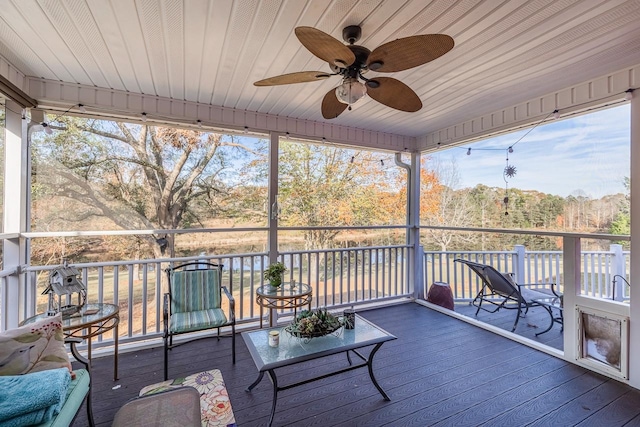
x: 194, y: 303
x: 501, y: 291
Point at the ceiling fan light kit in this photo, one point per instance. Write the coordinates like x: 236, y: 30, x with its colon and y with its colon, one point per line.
x: 351, y: 91
x: 352, y: 61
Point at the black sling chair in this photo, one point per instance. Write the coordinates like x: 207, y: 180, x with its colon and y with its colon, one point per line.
x: 501, y: 291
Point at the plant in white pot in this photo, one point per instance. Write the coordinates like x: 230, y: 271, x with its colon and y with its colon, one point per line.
x: 275, y: 273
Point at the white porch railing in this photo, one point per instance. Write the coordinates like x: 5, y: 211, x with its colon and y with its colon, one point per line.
x: 531, y: 267
x: 338, y: 277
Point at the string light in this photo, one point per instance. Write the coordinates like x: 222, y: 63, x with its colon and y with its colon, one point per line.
x: 628, y: 94
x: 556, y: 114
x: 510, y: 149
x: 353, y: 158
x: 246, y: 129
x: 382, y: 162
x: 199, y: 123
x: 47, y: 128
x: 143, y: 116
x: 81, y: 108
x: 469, y: 151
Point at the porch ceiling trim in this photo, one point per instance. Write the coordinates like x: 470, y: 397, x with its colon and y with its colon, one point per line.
x: 605, y: 90
x: 60, y: 96
x: 15, y: 81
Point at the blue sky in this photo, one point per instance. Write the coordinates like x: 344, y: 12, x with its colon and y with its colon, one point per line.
x: 587, y: 154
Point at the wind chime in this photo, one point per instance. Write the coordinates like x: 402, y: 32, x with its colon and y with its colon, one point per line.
x: 508, y: 172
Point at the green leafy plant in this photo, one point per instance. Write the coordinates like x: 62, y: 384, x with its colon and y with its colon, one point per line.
x: 274, y: 273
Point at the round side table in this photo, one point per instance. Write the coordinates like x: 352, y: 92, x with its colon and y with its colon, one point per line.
x: 287, y: 295
x: 91, y: 321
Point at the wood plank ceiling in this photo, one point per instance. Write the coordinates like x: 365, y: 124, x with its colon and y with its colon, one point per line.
x: 212, y: 51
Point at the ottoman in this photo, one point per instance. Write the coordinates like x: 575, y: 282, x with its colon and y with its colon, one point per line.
x: 214, y: 400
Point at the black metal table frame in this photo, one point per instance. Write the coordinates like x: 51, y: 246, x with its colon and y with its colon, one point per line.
x: 376, y: 342
x: 550, y: 307
x: 368, y: 362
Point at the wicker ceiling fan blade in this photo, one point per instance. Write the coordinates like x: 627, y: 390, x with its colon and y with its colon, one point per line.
x: 393, y: 93
x: 409, y: 52
x: 331, y: 107
x: 325, y: 46
x: 299, y: 77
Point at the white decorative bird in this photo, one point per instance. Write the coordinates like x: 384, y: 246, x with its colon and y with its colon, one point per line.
x: 17, y: 362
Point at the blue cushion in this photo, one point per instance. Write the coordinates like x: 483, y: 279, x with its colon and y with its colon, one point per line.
x: 196, y: 320
x: 195, y: 290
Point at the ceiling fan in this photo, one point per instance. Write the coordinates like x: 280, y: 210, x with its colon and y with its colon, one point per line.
x: 353, y: 61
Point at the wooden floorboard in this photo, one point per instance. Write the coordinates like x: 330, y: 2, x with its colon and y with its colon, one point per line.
x: 440, y: 371
x: 536, y: 320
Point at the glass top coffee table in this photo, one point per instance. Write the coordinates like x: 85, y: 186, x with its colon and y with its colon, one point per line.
x: 292, y: 350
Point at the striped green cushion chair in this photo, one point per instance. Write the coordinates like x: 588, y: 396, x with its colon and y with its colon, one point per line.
x: 194, y: 303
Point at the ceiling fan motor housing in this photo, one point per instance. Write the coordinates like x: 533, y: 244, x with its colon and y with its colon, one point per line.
x: 352, y: 33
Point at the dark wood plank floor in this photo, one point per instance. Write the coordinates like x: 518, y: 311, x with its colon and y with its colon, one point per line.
x: 536, y: 320
x: 440, y: 371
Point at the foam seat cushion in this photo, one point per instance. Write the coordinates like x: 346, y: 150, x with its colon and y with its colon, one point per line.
x: 34, y: 347
x: 215, y: 406
x: 196, y: 320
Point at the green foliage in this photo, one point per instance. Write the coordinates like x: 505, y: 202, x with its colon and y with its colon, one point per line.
x: 622, y: 221
x: 316, y: 323
x: 621, y: 225
x: 274, y: 273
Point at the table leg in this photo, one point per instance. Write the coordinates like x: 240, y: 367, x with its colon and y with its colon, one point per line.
x: 255, y: 383
x: 272, y: 318
x: 115, y: 353
x: 261, y: 314
x: 550, y: 322
x: 89, y: 345
x: 373, y: 378
x: 274, y: 381
x: 561, y: 318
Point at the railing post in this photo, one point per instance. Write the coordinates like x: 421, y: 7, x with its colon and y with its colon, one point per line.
x: 15, y: 306
x: 634, y: 308
x: 518, y: 263
x: 571, y: 255
x: 274, y: 211
x: 617, y: 264
x: 418, y: 274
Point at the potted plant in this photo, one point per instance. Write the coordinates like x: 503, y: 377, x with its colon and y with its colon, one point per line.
x: 315, y: 323
x: 274, y: 274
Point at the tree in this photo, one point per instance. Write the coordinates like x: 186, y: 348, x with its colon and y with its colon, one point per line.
x: 134, y: 176
x: 622, y: 221
x: 324, y: 186
x: 487, y: 210
x: 453, y: 208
